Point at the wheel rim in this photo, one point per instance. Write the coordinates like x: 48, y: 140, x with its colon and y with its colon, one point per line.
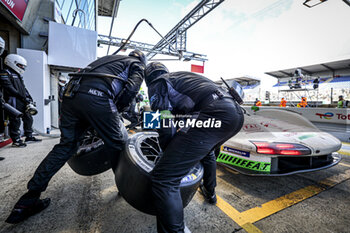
x: 151, y: 150
x: 146, y: 151
x: 89, y: 143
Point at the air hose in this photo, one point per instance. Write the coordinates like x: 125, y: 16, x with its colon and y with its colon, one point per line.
x: 133, y: 31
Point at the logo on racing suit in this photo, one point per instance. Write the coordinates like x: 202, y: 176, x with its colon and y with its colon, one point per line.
x: 151, y: 120
x: 95, y: 92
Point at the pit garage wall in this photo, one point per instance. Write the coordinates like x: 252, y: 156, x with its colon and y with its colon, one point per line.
x: 322, y: 115
x: 37, y: 80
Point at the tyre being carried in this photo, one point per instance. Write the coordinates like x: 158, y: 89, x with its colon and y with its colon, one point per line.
x: 92, y: 157
x: 138, y: 159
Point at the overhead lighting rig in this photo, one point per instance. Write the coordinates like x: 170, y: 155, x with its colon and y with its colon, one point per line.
x: 312, y: 3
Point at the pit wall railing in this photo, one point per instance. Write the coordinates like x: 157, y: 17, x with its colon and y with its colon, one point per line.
x: 323, y: 115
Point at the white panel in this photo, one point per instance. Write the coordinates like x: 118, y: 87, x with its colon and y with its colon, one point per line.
x: 54, y: 104
x: 324, y: 115
x: 37, y: 81
x: 71, y: 46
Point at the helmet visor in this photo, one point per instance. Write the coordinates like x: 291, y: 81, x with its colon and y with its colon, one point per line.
x: 21, y: 66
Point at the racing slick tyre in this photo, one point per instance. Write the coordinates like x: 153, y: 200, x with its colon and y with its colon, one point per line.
x: 92, y: 158
x: 142, y: 151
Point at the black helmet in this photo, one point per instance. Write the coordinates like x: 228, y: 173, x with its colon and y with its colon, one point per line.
x: 139, y: 98
x: 153, y: 70
x: 138, y: 54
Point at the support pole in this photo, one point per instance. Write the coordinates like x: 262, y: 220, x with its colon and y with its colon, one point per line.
x: 332, y: 95
x: 114, y: 15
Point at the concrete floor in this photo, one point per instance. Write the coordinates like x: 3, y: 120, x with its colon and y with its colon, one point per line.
x: 91, y: 204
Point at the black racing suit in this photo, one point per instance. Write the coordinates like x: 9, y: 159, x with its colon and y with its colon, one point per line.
x: 2, y: 126
x: 95, y: 104
x: 131, y: 115
x: 190, y: 94
x: 17, y: 95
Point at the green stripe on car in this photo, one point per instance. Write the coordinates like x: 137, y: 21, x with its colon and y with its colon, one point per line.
x: 243, y: 163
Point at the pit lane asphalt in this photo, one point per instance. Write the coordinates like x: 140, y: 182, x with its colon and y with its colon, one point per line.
x: 91, y: 204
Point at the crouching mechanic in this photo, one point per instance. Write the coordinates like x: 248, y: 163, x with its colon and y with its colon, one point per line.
x: 131, y: 114
x: 94, y: 97
x: 17, y: 95
x: 190, y: 94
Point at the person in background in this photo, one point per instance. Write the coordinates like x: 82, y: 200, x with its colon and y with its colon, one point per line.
x: 316, y: 82
x: 62, y: 82
x: 257, y: 102
x: 17, y: 95
x: 341, y: 102
x: 283, y: 103
x: 298, y: 78
x: 132, y: 114
x: 303, y: 103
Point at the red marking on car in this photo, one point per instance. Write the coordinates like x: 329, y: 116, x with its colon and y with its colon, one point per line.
x: 274, y: 148
x: 251, y: 127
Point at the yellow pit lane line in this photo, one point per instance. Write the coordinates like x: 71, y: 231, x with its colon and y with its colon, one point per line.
x: 344, y: 164
x: 235, y: 215
x: 246, y: 218
x: 344, y: 152
x: 274, y: 206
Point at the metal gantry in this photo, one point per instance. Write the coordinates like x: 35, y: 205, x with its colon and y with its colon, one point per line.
x: 116, y: 41
x: 179, y: 31
x: 175, y: 38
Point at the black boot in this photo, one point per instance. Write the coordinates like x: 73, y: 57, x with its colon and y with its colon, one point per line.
x: 32, y: 139
x: 209, y: 196
x: 29, y: 204
x: 18, y: 143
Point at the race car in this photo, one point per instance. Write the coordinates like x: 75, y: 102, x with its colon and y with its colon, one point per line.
x: 276, y: 143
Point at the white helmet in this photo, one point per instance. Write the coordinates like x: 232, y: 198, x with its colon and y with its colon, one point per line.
x: 16, y: 62
x: 2, y: 45
x: 62, y: 80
